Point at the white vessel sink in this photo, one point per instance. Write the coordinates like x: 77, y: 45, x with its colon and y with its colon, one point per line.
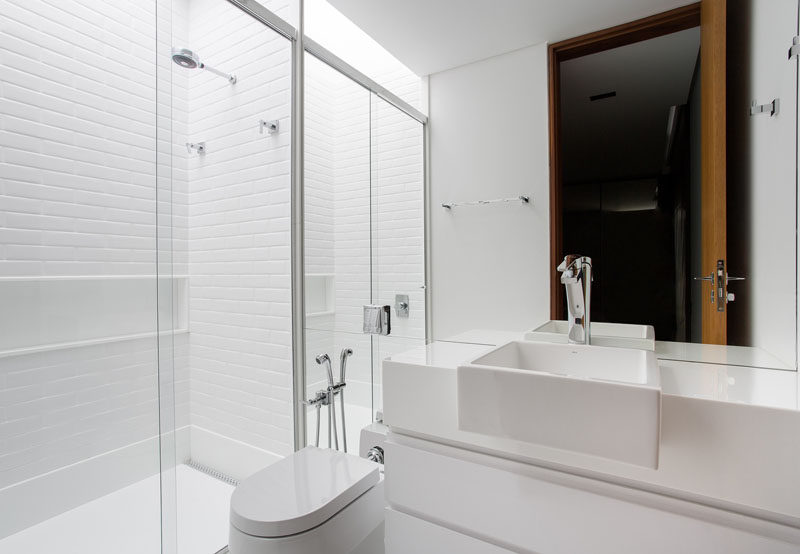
x: 589, y: 399
x: 621, y: 335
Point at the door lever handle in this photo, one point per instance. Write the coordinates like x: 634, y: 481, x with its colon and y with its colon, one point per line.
x: 730, y: 297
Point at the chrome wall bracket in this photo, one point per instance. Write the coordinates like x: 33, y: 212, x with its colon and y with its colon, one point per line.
x: 772, y: 108
x: 199, y: 147
x: 272, y: 126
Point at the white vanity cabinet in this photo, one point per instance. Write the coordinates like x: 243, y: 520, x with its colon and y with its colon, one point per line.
x: 447, y: 499
x: 722, y: 484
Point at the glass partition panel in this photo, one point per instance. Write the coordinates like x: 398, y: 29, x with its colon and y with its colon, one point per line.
x: 231, y: 190
x: 79, y: 280
x: 337, y: 244
x: 398, y: 230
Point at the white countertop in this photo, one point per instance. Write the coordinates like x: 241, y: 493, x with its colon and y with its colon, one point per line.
x: 771, y: 388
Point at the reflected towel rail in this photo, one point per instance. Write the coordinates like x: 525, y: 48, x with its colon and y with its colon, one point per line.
x: 522, y: 198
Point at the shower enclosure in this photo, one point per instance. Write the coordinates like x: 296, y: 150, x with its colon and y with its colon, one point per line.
x: 364, y: 239
x: 196, y: 200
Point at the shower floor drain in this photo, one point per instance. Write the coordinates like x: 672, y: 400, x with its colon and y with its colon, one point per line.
x: 213, y: 473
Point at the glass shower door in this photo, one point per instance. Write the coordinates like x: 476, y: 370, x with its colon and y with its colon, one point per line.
x: 338, y: 262
x: 398, y: 231
x: 364, y: 243
x: 80, y: 288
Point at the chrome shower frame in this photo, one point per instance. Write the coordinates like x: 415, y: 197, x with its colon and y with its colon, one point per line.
x: 302, y: 45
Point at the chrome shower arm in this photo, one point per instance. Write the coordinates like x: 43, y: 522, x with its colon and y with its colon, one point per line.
x: 229, y: 76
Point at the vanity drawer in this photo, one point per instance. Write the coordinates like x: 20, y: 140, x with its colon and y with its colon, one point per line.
x: 525, y: 508
x: 405, y: 533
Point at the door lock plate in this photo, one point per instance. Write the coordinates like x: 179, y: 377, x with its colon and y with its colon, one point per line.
x: 720, y: 286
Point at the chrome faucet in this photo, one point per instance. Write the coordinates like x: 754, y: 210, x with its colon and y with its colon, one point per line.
x: 327, y: 397
x: 576, y: 276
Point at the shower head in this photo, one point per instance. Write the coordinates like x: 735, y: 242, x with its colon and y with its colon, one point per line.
x: 185, y: 58
x: 190, y: 60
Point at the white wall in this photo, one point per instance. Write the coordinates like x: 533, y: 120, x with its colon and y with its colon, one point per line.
x: 762, y: 182
x: 488, y: 131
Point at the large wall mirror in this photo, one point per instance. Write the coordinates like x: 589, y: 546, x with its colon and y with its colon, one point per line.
x: 674, y: 146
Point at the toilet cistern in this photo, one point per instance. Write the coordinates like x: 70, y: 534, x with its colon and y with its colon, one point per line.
x: 576, y: 276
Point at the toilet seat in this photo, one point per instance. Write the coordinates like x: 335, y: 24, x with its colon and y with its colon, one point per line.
x: 300, y: 492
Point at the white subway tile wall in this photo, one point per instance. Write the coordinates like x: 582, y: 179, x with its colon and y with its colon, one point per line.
x: 239, y: 230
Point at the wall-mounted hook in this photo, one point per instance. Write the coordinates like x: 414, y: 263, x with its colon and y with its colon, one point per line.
x: 772, y: 108
x: 272, y: 126
x: 200, y: 147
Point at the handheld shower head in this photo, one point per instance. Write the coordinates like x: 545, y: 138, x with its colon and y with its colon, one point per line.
x: 191, y: 60
x: 346, y: 353
x: 324, y: 359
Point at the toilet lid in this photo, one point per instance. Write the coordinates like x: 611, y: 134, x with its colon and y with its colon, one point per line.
x: 300, y: 492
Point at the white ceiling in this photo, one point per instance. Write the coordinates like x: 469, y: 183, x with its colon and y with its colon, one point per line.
x: 430, y: 36
x: 625, y: 135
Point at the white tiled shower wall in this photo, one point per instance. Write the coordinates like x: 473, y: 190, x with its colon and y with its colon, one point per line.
x: 239, y: 230
x: 79, y: 201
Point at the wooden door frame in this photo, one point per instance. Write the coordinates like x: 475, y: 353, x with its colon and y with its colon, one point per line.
x: 654, y: 26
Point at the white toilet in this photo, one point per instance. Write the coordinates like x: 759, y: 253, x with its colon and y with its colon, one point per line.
x: 316, y: 500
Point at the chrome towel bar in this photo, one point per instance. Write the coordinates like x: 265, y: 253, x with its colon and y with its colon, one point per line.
x: 522, y: 198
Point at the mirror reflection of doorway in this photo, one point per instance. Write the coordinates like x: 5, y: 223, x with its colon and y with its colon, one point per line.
x: 670, y: 170
x: 638, y: 172
x: 630, y: 137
